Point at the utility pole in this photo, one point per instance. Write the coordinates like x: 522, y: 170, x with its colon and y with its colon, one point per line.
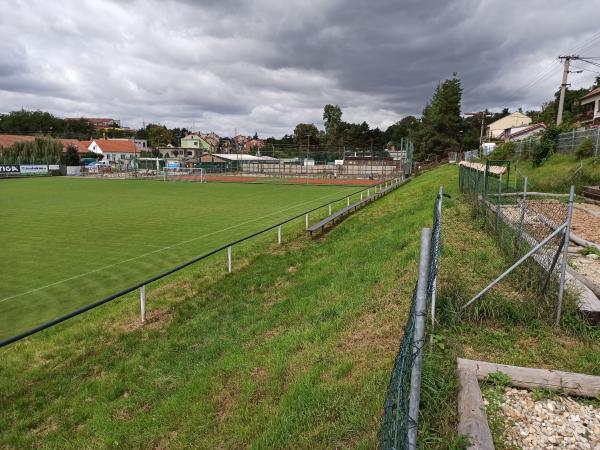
x: 307, y: 147
x: 563, y: 86
x: 483, y: 114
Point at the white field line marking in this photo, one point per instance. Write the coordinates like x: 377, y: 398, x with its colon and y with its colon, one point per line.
x: 157, y: 251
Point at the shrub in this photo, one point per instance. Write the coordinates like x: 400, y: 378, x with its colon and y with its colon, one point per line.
x: 506, y: 150
x: 585, y: 149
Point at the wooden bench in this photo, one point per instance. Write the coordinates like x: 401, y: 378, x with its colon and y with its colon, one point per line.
x: 348, y: 209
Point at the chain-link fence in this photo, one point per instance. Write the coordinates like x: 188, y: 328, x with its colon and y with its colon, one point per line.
x: 569, y: 141
x: 524, y: 223
x: 399, y: 423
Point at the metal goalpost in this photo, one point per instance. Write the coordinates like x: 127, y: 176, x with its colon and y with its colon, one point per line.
x: 196, y: 174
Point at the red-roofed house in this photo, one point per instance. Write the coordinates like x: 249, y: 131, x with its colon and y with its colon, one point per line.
x: 522, y: 132
x: 114, y: 150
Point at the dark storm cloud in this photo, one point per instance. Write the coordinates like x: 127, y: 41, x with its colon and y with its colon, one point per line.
x: 266, y: 65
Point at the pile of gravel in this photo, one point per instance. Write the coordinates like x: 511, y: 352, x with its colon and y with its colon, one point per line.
x: 552, y: 423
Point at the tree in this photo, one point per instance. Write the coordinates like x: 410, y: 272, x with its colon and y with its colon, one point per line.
x: 158, y: 135
x: 402, y: 129
x: 332, y: 115
x: 441, y: 123
x: 306, y: 134
x: 71, y: 157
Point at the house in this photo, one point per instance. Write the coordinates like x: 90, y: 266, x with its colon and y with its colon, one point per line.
x: 196, y: 142
x: 6, y: 140
x: 516, y: 119
x: 213, y: 139
x: 521, y: 133
x: 114, y: 150
x: 97, y: 122
x: 254, y: 144
x: 590, y: 103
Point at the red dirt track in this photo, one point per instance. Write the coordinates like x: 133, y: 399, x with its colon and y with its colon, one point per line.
x: 226, y: 178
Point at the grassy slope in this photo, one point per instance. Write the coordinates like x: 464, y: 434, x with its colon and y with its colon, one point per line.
x: 62, y: 228
x: 294, y: 349
x: 507, y: 327
x: 559, y: 172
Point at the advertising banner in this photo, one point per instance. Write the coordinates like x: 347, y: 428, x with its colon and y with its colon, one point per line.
x: 53, y: 167
x: 9, y: 169
x: 33, y: 169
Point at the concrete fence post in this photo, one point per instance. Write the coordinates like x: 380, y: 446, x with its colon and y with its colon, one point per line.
x: 330, y: 209
x: 279, y: 234
x: 361, y: 196
x: 368, y: 192
x: 143, y: 302
x: 347, y: 201
x: 229, y: 258
x: 418, y: 339
x: 306, y: 220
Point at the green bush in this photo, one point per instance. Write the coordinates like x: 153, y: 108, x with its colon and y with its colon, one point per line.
x: 506, y: 150
x: 585, y: 149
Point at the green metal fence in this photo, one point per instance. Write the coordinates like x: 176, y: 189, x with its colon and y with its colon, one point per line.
x: 399, y: 424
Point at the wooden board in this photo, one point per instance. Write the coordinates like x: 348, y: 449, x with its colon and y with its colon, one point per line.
x: 578, y: 384
x: 471, y: 411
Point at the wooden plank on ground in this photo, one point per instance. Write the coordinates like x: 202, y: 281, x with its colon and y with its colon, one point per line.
x: 578, y: 384
x: 471, y: 411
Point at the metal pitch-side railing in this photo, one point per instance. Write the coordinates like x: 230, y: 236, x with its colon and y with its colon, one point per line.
x: 386, y: 185
x: 399, y: 424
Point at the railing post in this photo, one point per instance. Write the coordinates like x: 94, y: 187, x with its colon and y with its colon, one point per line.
x: 279, y: 234
x: 143, y: 302
x: 565, y: 260
x: 306, y: 220
x: 368, y: 192
x: 229, y: 258
x: 347, y: 201
x: 330, y: 209
x: 418, y: 339
x: 361, y: 196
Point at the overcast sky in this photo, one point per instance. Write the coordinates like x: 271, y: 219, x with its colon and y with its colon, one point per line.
x: 266, y: 65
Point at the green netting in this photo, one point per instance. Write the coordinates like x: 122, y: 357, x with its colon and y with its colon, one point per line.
x: 396, y: 422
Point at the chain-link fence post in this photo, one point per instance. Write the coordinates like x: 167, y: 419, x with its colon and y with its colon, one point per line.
x: 521, y: 219
x: 565, y: 260
x: 418, y: 339
x: 437, y: 230
x: 498, y: 203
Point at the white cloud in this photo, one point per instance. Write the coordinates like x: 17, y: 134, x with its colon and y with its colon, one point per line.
x: 267, y: 65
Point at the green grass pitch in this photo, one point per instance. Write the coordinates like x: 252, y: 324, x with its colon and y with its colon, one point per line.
x: 69, y: 242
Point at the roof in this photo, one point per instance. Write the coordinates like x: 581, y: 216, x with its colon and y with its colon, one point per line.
x: 243, y: 157
x: 114, y: 145
x: 592, y: 93
x: 6, y: 140
x: 496, y: 170
x: 528, y: 129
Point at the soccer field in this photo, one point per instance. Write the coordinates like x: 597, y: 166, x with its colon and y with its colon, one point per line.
x: 69, y: 242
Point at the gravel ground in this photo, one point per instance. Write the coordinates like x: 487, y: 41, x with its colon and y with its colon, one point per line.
x: 588, y: 266
x: 552, y: 423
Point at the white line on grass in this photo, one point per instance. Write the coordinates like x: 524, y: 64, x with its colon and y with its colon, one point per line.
x: 158, y: 250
